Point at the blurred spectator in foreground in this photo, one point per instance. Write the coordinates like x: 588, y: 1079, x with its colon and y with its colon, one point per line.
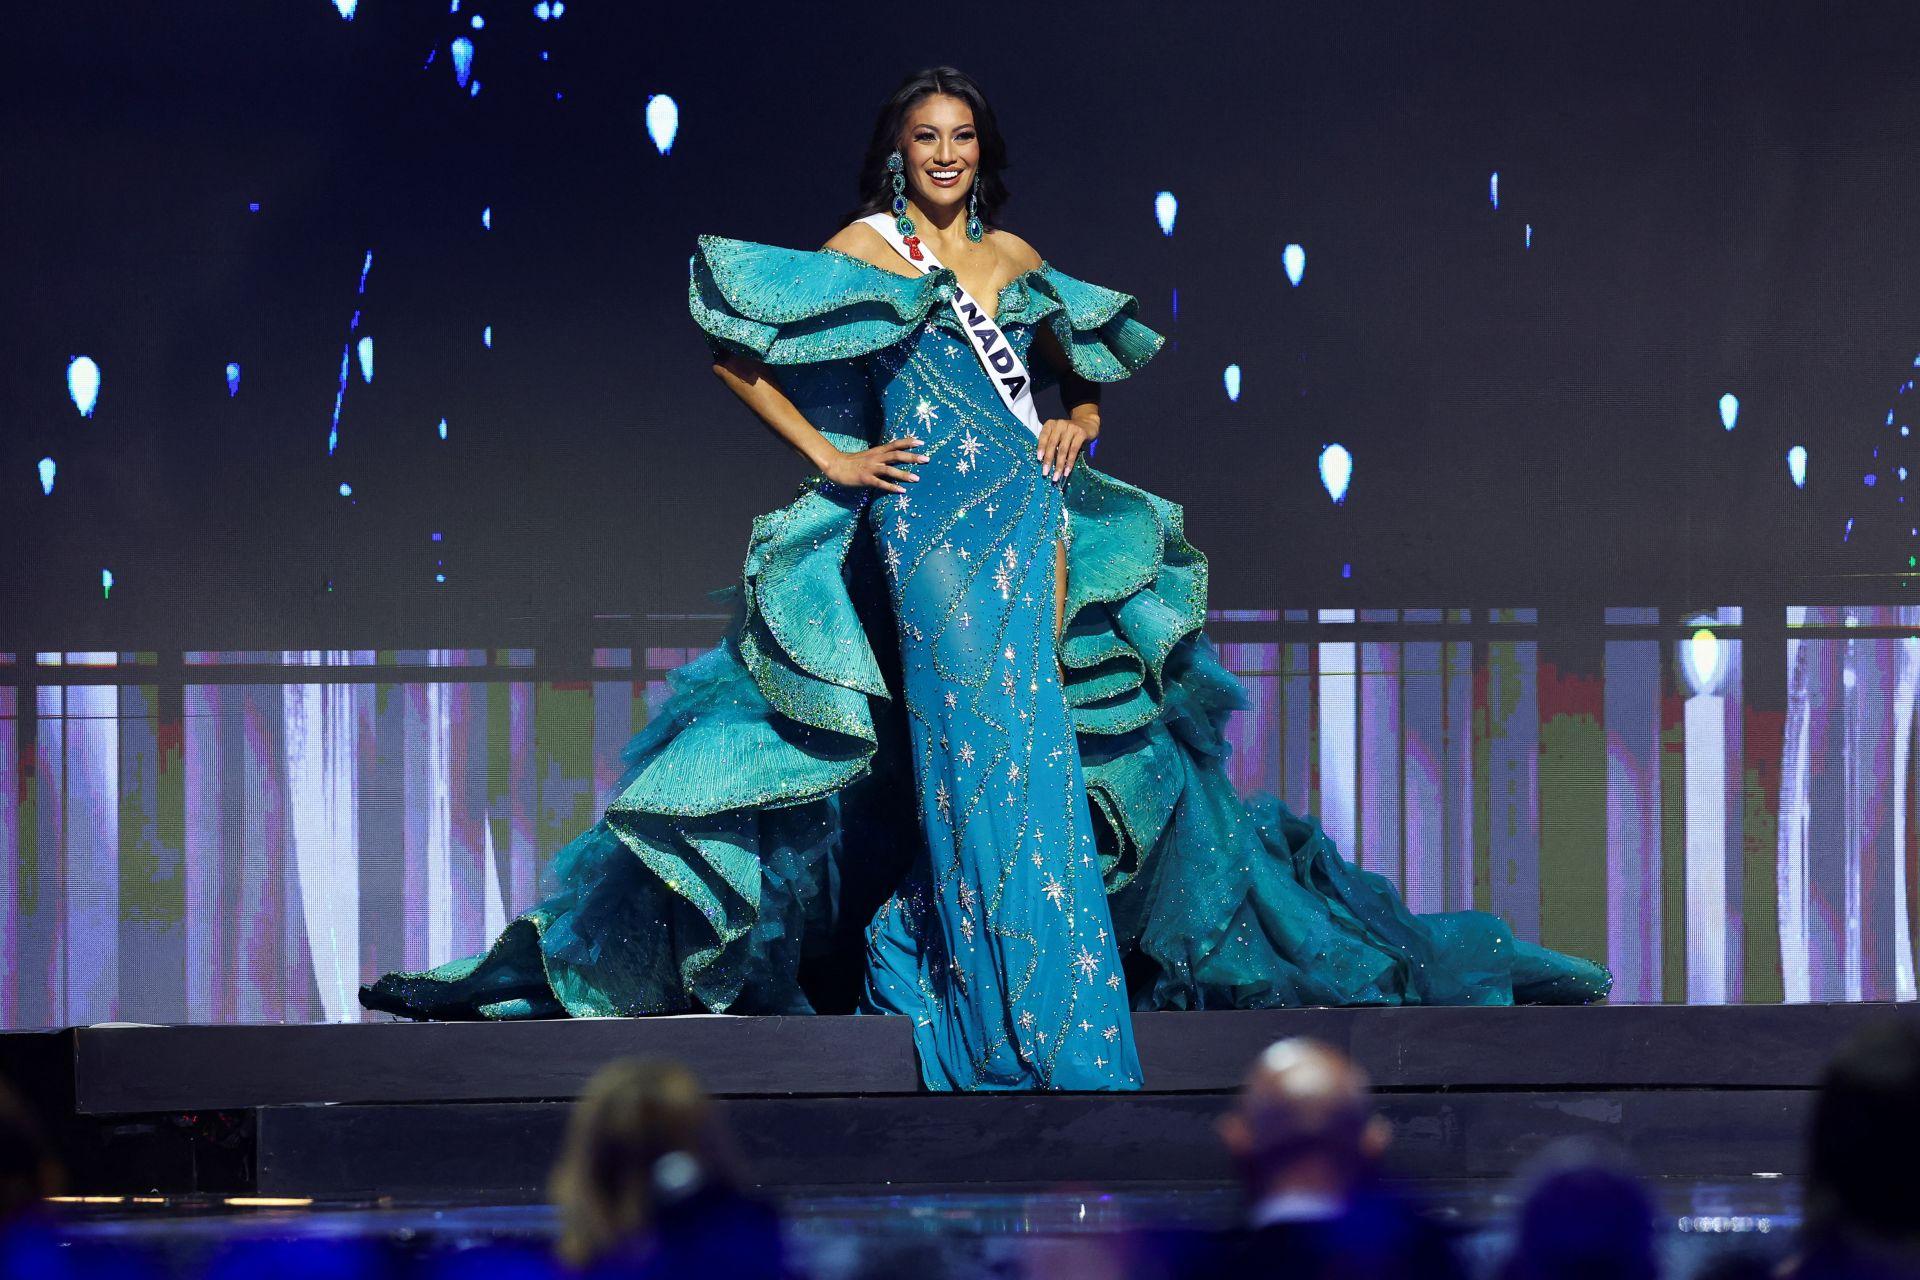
x: 1585, y: 1216
x: 1863, y: 1183
x: 28, y: 1171
x: 28, y: 1174
x: 647, y: 1184
x: 1306, y: 1142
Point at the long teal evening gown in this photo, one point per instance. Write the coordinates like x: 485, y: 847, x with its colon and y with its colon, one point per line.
x: 880, y: 792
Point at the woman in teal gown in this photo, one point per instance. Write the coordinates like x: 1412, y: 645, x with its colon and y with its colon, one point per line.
x: 899, y: 784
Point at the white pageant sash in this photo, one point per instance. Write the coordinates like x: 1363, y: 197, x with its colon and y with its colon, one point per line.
x: 1004, y: 368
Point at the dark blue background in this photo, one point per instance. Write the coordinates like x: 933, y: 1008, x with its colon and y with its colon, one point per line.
x: 1723, y: 198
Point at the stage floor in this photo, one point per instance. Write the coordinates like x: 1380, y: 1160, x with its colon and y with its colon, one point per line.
x: 936, y: 1232
x: 472, y: 1113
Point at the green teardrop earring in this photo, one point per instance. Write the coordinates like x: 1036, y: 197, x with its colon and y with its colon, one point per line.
x: 896, y: 165
x: 975, y: 231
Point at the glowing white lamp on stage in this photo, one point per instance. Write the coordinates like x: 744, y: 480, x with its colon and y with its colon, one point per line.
x: 1294, y: 259
x: 1165, y: 209
x: 1704, y: 660
x: 1797, y: 465
x: 47, y: 469
x: 1729, y: 410
x: 1230, y: 379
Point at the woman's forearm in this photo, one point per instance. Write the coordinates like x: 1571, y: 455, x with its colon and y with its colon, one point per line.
x: 1087, y: 415
x: 748, y: 379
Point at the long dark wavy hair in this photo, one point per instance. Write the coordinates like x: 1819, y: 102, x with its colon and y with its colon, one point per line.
x: 876, y: 186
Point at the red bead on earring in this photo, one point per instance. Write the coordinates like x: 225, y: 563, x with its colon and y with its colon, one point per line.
x: 913, y: 247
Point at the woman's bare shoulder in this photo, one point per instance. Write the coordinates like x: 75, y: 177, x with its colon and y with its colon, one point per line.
x: 858, y: 240
x: 1016, y: 251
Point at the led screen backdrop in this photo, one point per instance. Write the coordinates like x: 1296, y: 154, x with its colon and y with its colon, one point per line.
x: 1539, y: 385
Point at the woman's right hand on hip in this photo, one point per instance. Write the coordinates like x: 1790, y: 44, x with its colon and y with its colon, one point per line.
x: 877, y: 467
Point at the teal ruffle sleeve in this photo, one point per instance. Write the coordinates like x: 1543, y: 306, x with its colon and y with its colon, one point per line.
x: 798, y: 307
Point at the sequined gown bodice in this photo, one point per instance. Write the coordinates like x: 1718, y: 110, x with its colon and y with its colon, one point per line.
x: 893, y: 788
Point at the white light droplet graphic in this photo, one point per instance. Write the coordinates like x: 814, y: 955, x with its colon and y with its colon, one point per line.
x: 462, y: 60
x: 1701, y: 660
x: 1729, y: 410
x: 1294, y: 258
x: 1230, y: 378
x: 346, y: 490
x: 106, y: 583
x: 663, y: 117
x: 47, y: 468
x: 83, y: 384
x: 1493, y: 189
x: 1336, y: 471
x: 486, y: 218
x: 233, y: 380
x: 1797, y: 465
x: 1166, y: 207
x: 443, y: 428
x: 1529, y: 235
x: 541, y: 11
x: 347, y: 8
x: 366, y: 359
x: 486, y: 338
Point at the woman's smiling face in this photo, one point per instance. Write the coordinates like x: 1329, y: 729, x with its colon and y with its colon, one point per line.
x: 942, y: 151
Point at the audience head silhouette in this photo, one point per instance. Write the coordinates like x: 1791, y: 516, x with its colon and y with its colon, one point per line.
x: 1862, y: 1181
x: 1304, y: 1123
x: 28, y: 1170
x: 1585, y: 1217
x: 643, y: 1137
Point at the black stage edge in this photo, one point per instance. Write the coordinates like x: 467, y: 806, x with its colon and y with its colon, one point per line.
x: 475, y: 1110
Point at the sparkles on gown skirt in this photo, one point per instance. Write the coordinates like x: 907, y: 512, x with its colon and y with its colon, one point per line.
x: 891, y: 789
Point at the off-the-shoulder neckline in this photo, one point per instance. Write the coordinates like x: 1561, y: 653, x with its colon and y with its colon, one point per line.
x: 1030, y: 272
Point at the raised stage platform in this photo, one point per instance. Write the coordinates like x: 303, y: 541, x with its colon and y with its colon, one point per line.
x: 474, y: 1111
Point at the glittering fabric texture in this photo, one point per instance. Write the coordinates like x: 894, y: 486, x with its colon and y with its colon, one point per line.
x: 890, y: 788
